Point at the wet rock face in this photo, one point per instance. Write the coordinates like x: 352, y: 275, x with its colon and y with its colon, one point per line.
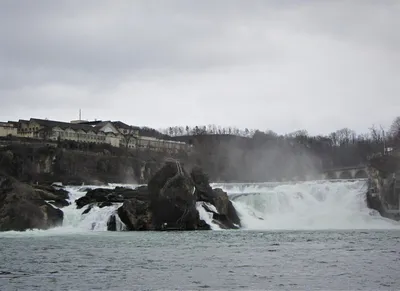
x: 383, y: 193
x: 22, y: 207
x: 55, y: 196
x: 136, y: 214
x: 226, y: 216
x: 105, y: 197
x: 112, y: 223
x: 172, y: 201
x: 169, y: 202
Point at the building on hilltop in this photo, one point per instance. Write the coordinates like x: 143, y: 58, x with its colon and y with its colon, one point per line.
x: 114, y: 133
x: 127, y: 135
x: 57, y: 130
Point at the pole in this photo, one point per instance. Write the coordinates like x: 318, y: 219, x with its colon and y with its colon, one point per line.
x: 384, y: 140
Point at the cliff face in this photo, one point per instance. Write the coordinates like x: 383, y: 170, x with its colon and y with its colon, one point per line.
x: 47, y: 164
x: 384, y: 186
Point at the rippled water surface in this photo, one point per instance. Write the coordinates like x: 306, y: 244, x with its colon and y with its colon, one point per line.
x: 213, y: 260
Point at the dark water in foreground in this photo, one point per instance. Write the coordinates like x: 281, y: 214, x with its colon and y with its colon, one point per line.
x: 213, y: 260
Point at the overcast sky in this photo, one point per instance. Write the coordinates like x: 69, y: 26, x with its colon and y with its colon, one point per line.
x: 280, y: 65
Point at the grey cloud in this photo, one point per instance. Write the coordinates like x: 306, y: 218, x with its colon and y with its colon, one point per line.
x: 282, y: 65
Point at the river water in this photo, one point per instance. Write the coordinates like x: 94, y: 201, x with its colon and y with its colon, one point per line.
x: 213, y: 260
x: 305, y: 236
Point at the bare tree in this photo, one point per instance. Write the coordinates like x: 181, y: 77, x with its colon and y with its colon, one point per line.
x: 45, y: 132
x: 128, y: 136
x: 395, y: 127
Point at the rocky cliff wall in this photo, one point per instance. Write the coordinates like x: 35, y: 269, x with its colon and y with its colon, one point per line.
x: 384, y: 186
x: 47, y: 164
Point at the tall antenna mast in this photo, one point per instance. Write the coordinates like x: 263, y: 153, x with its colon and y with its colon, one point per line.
x: 80, y: 114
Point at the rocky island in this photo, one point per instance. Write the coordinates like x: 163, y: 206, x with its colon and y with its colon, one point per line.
x: 170, y: 201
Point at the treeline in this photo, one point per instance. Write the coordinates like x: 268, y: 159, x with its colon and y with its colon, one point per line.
x: 253, y: 155
x: 337, y: 138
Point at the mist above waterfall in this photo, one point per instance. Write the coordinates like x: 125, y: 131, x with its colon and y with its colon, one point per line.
x: 234, y: 158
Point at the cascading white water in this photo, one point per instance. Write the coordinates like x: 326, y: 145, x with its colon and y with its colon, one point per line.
x: 261, y: 206
x: 96, y: 219
x: 305, y: 206
x: 207, y: 216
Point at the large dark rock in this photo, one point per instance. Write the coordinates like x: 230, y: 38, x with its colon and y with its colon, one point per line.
x: 168, y: 202
x: 172, y: 201
x: 23, y: 207
x: 227, y: 216
x: 112, y: 223
x: 56, y: 196
x: 92, y: 196
x: 136, y: 214
x: 104, y: 197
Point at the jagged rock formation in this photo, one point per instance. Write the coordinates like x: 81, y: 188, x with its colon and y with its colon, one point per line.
x: 172, y: 201
x: 384, y: 186
x: 104, y: 196
x: 226, y: 216
x: 24, y: 207
x: 168, y: 202
x: 136, y: 214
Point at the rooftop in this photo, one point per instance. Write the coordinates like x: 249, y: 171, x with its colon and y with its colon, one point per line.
x: 63, y: 125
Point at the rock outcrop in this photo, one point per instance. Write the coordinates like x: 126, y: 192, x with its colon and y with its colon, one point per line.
x: 53, y: 195
x: 77, y: 163
x: 136, y: 214
x: 169, y: 202
x: 23, y: 207
x: 226, y: 215
x: 173, y: 202
x: 105, y: 197
x: 383, y: 192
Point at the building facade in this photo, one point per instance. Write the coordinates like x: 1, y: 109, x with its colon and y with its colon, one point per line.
x: 160, y: 145
x: 114, y: 133
x: 8, y: 128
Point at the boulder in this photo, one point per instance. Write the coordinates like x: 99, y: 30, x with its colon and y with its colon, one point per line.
x: 173, y: 204
x: 136, y: 214
x: 227, y: 216
x: 53, y: 195
x: 167, y: 203
x: 22, y: 207
x: 105, y: 204
x: 112, y: 223
x: 222, y: 220
x: 105, y: 197
x: 93, y: 196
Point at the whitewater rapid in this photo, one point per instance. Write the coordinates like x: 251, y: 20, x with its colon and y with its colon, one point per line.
x: 313, y: 205
x: 96, y: 219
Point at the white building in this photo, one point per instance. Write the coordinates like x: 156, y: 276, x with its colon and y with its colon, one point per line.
x: 8, y: 128
x: 115, y: 133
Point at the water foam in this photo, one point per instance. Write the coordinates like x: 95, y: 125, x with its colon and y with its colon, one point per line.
x: 205, y: 215
x: 310, y: 205
x: 96, y: 219
x: 314, y: 205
